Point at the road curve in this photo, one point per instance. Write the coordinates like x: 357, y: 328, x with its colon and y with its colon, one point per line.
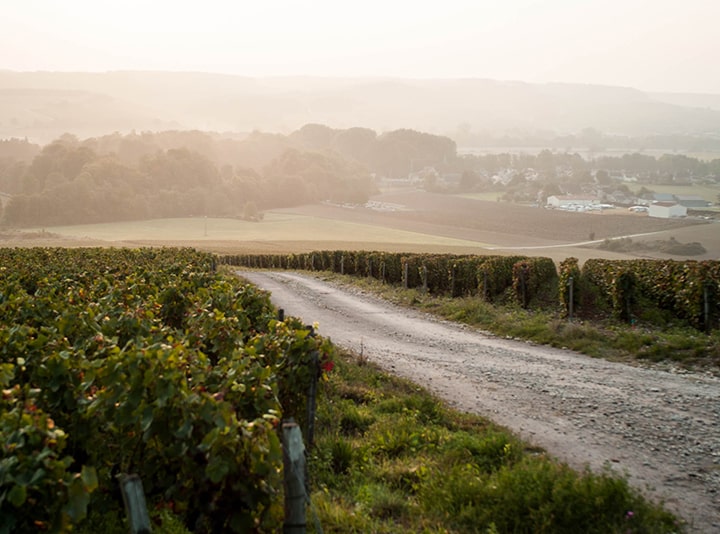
x: 661, y: 428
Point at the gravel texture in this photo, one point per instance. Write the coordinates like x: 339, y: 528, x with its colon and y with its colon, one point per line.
x: 660, y: 426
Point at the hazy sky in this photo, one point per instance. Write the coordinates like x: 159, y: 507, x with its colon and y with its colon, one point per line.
x: 670, y: 45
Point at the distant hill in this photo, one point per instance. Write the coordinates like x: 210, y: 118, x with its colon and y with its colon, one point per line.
x: 43, y: 105
x: 691, y: 100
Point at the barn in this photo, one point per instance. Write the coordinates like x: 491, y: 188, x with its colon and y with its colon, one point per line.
x: 692, y: 201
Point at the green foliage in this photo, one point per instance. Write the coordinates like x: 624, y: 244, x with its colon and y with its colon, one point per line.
x: 183, y: 375
x: 671, y: 246
x: 624, y: 295
x: 38, y: 487
x: 681, y: 287
x: 628, y: 289
x: 154, y: 175
x: 530, y: 276
x: 495, y: 276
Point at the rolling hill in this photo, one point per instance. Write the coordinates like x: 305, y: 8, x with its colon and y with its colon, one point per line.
x: 43, y: 105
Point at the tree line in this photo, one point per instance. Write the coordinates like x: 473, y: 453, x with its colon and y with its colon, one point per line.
x: 193, y: 173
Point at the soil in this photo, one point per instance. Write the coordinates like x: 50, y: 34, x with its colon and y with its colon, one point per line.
x: 659, y: 426
x: 504, y: 222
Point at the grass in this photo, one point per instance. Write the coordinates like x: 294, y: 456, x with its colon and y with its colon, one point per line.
x: 408, y: 463
x: 707, y: 192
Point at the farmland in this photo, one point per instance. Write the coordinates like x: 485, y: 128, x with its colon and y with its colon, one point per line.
x: 425, y: 223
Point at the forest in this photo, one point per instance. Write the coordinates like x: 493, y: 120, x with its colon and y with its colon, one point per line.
x: 145, y: 175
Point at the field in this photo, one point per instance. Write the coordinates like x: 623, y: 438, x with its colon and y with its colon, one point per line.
x: 707, y: 192
x: 425, y: 223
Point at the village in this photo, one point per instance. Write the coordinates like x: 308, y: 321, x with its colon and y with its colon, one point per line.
x: 575, y: 188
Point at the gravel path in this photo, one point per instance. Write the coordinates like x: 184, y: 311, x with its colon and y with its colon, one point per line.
x: 661, y: 427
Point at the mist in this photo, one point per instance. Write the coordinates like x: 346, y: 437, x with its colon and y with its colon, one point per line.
x: 43, y: 105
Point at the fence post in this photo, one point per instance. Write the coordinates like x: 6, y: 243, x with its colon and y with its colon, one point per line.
x: 424, y: 279
x: 342, y: 264
x: 485, y: 285
x: 405, y: 275
x: 294, y: 474
x: 706, y: 306
x: 135, y: 506
x: 570, y: 299
x: 452, y: 281
x: 312, y: 396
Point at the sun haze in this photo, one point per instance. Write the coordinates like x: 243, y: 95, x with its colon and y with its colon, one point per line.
x: 658, y: 45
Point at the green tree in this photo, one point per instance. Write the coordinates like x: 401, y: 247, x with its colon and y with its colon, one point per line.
x: 251, y: 212
x: 468, y: 181
x: 602, y: 177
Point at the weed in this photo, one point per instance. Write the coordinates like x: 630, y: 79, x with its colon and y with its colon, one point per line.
x: 354, y: 421
x: 382, y: 502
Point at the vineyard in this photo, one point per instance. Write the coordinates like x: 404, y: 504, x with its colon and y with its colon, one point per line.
x: 116, y: 362
x: 143, y: 361
x: 655, y: 291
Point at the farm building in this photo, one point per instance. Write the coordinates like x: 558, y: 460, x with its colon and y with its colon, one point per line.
x: 666, y: 210
x: 692, y: 201
x: 571, y: 201
x: 662, y: 197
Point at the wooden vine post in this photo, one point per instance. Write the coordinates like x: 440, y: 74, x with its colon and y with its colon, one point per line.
x: 135, y: 506
x: 312, y: 397
x: 294, y: 465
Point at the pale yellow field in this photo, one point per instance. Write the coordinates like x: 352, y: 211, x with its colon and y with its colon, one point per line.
x: 490, y: 196
x: 281, y: 227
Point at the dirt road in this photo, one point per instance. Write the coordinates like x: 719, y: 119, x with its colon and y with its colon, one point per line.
x: 659, y: 426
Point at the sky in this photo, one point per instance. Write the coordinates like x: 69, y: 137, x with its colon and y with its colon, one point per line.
x: 652, y: 45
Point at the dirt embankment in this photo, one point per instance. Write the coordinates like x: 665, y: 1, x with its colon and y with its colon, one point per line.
x: 659, y: 426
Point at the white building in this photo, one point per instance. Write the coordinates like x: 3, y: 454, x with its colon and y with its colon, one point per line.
x: 666, y: 210
x: 571, y: 201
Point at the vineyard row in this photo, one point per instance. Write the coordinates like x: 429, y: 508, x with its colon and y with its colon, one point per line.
x: 688, y: 291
